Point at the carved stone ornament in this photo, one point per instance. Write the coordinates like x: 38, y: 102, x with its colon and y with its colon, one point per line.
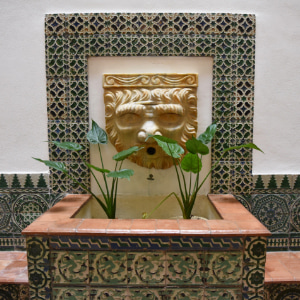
x: 140, y: 104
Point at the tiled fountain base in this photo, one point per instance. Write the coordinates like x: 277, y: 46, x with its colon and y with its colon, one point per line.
x: 146, y: 259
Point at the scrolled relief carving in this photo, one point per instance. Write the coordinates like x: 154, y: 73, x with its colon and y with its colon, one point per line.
x: 140, y: 104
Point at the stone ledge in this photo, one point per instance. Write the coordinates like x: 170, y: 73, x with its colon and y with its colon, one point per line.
x: 282, y: 267
x: 13, y: 267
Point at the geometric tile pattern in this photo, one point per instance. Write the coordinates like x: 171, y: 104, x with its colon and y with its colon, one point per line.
x: 17, y: 211
x: 254, y: 267
x: 280, y: 213
x: 282, y: 291
x: 228, y: 38
x: 169, y: 243
x: 169, y: 272
x: 276, y: 184
x: 24, y: 183
x: 14, y: 292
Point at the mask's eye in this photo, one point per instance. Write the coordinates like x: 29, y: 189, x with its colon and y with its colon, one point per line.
x: 129, y: 119
x: 170, y: 119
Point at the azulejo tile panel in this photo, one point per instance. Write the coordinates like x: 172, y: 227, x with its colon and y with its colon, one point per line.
x: 19, y: 208
x: 71, y: 38
x: 166, y: 273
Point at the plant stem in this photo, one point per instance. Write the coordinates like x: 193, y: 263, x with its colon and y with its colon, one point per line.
x: 159, y: 204
x: 103, y: 174
x: 89, y: 191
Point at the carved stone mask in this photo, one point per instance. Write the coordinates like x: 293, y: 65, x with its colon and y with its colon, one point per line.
x: 140, y: 104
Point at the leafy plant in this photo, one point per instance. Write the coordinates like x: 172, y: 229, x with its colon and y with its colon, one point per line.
x: 98, y: 137
x: 191, y: 163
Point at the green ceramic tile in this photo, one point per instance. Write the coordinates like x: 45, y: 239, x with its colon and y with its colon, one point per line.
x: 183, y: 268
x: 108, y: 268
x: 147, y: 268
x: 62, y: 293
x: 222, y: 294
x: 223, y: 268
x: 70, y: 267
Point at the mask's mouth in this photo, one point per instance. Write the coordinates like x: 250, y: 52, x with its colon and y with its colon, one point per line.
x: 151, y: 150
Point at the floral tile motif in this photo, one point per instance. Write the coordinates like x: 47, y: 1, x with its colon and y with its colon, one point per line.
x: 14, y: 292
x: 254, y: 267
x: 222, y: 294
x: 224, y: 268
x: 108, y: 268
x: 147, y: 268
x: 273, y: 211
x: 108, y: 293
x: 39, y: 281
x: 37, y: 251
x: 183, y: 268
x: 69, y: 267
x: 61, y: 293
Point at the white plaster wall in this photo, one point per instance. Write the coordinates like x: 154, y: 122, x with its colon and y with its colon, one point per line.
x: 23, y: 115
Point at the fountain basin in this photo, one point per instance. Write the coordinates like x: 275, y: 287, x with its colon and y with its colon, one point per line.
x: 153, y: 258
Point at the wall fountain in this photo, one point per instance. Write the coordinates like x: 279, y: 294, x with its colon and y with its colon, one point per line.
x: 74, y: 254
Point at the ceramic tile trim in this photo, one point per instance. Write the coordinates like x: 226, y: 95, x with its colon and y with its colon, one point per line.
x: 276, y: 184
x: 14, y: 183
x: 228, y: 38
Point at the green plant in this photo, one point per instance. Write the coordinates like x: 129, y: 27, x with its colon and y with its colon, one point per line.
x: 190, y: 162
x: 98, y: 137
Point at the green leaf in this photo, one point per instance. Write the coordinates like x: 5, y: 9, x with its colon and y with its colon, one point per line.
x: 207, y: 136
x: 169, y: 146
x: 68, y: 146
x: 249, y: 145
x: 97, y: 169
x: 124, y: 173
x: 191, y: 163
x: 53, y: 164
x: 162, y: 138
x: 125, y: 153
x: 195, y: 146
x: 97, y: 135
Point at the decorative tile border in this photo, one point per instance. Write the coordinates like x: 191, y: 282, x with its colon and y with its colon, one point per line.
x: 144, y: 273
x: 276, y: 184
x: 280, y: 214
x: 104, y: 243
x: 18, y: 183
x: 228, y: 38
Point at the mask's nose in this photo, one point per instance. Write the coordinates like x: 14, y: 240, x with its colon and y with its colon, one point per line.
x: 149, y: 127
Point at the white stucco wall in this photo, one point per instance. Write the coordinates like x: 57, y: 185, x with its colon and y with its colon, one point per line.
x: 23, y: 114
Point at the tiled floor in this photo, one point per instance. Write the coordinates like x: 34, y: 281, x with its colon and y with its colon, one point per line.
x: 282, y: 267
x: 13, y: 267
